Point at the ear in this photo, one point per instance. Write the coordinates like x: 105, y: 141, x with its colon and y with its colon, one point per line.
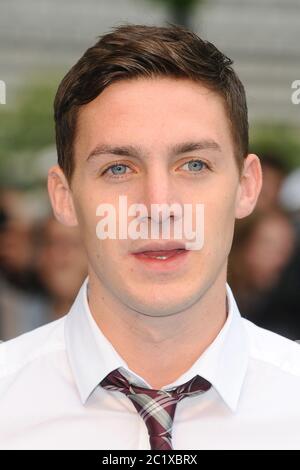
x: 249, y: 186
x: 61, y: 197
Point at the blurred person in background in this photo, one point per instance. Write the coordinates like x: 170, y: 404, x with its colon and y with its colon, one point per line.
x: 263, y: 248
x: 61, y: 265
x: 16, y: 243
x: 16, y: 254
x: 282, y: 312
x: 41, y: 268
x: 21, y: 305
x: 266, y: 279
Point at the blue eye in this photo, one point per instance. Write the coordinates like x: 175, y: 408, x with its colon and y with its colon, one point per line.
x: 195, y: 165
x: 118, y: 169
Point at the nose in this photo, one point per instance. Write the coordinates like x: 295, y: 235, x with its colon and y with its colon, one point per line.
x: 159, y: 190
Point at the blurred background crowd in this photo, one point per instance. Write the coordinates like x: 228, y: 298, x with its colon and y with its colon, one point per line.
x: 43, y: 263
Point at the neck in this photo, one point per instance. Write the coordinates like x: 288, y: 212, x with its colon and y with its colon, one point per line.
x: 160, y: 349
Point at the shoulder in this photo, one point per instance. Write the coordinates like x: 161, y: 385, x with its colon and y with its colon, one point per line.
x: 273, y: 349
x: 17, y: 353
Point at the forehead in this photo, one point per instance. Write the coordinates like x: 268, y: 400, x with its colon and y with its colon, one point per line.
x: 153, y: 110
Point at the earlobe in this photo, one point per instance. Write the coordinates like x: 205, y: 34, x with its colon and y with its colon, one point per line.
x: 249, y: 186
x: 61, y: 197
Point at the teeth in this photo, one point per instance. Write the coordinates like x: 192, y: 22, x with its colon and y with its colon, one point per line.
x: 160, y: 257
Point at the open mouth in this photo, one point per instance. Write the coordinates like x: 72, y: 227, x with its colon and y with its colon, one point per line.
x: 161, y: 255
x: 163, y: 260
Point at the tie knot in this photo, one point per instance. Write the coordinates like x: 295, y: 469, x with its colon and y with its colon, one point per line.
x: 115, y: 380
x: 156, y: 407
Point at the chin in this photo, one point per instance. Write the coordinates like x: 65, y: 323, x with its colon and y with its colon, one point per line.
x: 160, y: 305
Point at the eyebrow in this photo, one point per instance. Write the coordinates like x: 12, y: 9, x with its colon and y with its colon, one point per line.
x: 137, y: 152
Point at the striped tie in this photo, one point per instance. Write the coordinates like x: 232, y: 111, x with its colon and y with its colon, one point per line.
x: 156, y: 407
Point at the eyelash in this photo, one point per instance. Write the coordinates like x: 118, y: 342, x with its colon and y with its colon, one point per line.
x: 104, y: 173
x: 205, y: 165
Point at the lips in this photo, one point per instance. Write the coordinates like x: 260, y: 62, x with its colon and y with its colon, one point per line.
x: 161, y: 254
x: 160, y: 247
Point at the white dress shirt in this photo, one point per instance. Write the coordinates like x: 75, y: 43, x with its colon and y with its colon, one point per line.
x: 50, y: 398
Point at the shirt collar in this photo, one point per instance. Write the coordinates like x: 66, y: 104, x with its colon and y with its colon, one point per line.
x: 92, y: 356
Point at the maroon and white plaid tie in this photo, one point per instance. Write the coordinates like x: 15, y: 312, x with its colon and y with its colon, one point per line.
x: 156, y: 407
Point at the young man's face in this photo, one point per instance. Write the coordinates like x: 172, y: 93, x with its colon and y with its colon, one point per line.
x: 150, y: 117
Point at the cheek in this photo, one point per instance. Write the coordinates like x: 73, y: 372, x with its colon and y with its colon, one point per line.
x: 87, y: 221
x: 86, y: 202
x: 219, y: 222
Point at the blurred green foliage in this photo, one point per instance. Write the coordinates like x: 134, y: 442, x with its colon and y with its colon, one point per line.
x: 26, y: 128
x: 277, y: 140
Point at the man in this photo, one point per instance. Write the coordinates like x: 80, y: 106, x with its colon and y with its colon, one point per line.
x: 154, y: 352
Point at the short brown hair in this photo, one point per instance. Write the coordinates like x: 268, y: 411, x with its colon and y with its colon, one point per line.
x: 132, y: 51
